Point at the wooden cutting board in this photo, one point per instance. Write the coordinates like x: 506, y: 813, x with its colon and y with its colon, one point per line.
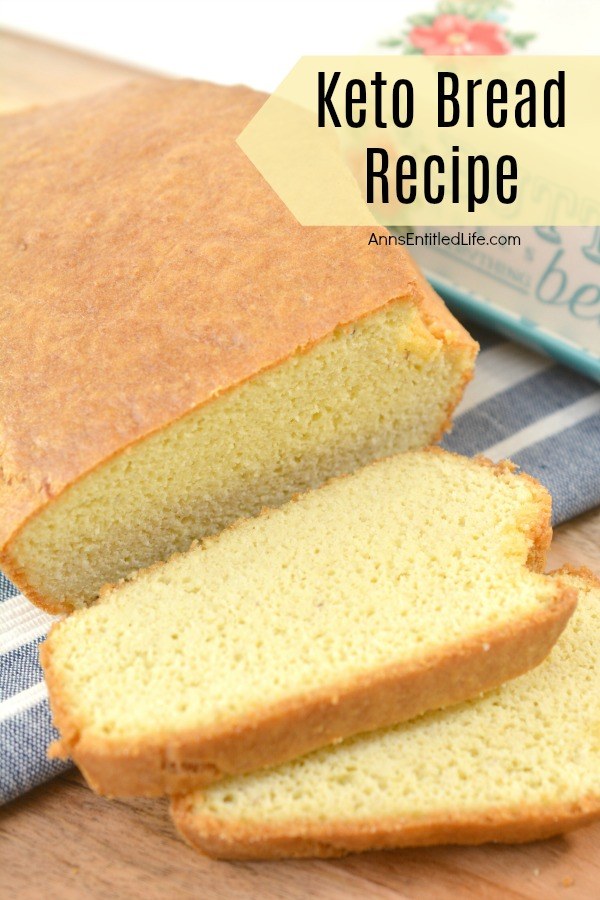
x: 62, y: 841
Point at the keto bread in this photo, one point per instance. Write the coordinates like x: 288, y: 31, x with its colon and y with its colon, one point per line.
x: 404, y: 587
x: 177, y: 350
x: 519, y: 764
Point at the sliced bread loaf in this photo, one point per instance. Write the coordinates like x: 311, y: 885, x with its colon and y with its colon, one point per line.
x: 403, y: 587
x: 180, y: 351
x: 519, y: 764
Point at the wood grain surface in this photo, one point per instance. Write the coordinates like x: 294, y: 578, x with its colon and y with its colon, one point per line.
x: 61, y: 841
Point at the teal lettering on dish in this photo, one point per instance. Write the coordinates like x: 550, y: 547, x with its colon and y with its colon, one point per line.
x: 554, y: 287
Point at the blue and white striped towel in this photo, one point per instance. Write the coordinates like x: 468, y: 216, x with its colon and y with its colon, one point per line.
x: 519, y: 405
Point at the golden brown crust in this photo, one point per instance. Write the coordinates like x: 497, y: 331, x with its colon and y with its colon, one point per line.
x: 15, y: 573
x: 238, y: 840
x: 540, y: 531
x: 134, y: 213
x: 582, y: 572
x: 170, y: 763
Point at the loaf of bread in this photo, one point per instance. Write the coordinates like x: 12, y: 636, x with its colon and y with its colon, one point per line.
x: 519, y: 764
x: 406, y: 586
x: 177, y: 350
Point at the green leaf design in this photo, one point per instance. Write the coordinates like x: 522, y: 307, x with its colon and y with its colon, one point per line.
x: 421, y: 19
x: 472, y: 9
x: 391, y: 42
x: 520, y: 41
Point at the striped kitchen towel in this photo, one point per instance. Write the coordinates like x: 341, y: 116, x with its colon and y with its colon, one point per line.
x: 519, y: 405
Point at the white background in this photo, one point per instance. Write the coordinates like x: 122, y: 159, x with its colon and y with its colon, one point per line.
x: 258, y: 41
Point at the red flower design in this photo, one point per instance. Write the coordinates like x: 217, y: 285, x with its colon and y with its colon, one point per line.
x: 459, y: 36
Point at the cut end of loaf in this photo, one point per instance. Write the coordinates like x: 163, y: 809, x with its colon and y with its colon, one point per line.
x: 384, y: 384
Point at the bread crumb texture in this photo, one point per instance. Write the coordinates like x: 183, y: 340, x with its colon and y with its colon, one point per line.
x: 528, y: 751
x: 369, y: 390
x: 406, y: 557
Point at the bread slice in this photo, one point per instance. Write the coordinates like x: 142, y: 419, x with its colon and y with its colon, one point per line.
x: 406, y: 586
x: 519, y: 764
x: 180, y: 351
